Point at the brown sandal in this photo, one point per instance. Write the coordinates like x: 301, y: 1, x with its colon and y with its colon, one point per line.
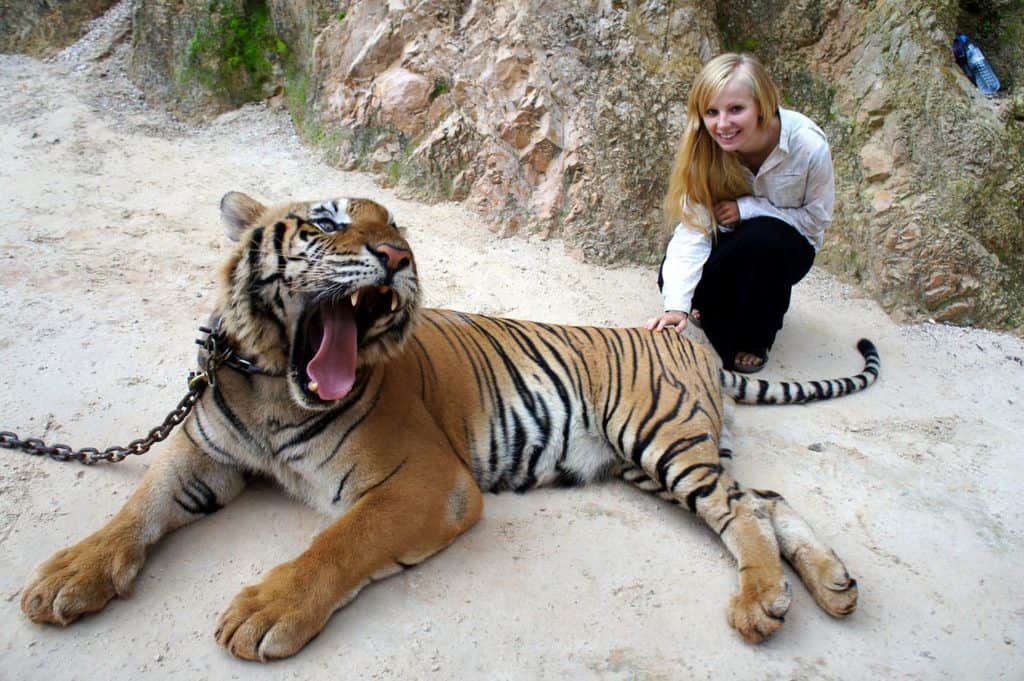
x: 750, y: 368
x: 694, y: 317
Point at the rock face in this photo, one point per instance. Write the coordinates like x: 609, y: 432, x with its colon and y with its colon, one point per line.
x: 44, y: 27
x: 205, y: 56
x: 546, y: 117
x: 561, y: 118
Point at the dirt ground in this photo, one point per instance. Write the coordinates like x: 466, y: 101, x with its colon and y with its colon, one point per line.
x: 110, y: 246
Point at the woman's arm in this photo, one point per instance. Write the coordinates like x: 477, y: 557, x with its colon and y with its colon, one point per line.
x: 687, y: 252
x: 815, y: 214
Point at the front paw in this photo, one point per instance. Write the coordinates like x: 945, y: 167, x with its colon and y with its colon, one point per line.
x: 759, y: 608
x: 82, y: 578
x: 274, y: 618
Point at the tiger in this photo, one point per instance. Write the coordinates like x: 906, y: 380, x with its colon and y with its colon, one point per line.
x: 392, y: 420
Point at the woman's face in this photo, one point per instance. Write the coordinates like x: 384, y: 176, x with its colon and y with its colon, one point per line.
x: 732, y: 119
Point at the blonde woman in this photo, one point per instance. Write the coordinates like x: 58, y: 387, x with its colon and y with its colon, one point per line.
x: 751, y: 194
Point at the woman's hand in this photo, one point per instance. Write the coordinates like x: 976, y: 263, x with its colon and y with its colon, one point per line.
x: 675, y: 319
x: 727, y: 212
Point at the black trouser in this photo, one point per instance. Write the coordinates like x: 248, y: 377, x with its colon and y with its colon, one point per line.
x: 744, y: 289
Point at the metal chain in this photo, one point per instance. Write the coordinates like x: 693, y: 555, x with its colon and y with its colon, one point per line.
x: 91, y: 455
x: 217, y: 352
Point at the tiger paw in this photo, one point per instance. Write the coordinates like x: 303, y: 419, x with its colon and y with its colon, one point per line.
x: 830, y: 584
x: 82, y: 579
x: 759, y: 608
x: 273, y: 619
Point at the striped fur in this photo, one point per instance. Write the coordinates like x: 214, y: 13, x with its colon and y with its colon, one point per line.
x: 747, y: 391
x: 440, y: 407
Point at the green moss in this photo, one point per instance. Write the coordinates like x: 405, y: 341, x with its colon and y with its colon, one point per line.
x: 296, y: 93
x: 810, y: 94
x: 733, y: 34
x: 855, y: 267
x: 742, y: 45
x: 328, y: 139
x: 441, y: 86
x: 233, y: 51
x: 296, y: 98
x: 394, y: 172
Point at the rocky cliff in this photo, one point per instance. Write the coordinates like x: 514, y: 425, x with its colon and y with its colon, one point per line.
x: 560, y: 118
x: 43, y: 27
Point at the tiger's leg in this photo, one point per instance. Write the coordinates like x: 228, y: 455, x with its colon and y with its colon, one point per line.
x: 818, y: 566
x: 419, y: 508
x: 181, y: 486
x: 725, y: 435
x: 635, y: 475
x: 696, y: 479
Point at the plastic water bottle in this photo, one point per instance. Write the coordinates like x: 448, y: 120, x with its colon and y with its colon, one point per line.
x: 984, y: 76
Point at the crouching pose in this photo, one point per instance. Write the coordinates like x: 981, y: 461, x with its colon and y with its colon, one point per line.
x: 392, y: 420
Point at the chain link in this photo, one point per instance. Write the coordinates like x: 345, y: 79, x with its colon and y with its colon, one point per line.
x: 216, y: 352
x: 91, y: 455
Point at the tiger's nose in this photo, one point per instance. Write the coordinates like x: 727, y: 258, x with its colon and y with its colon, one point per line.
x: 392, y: 258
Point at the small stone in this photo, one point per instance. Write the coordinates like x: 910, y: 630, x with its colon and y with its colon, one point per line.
x: 876, y: 162
x: 882, y: 200
x: 816, y: 447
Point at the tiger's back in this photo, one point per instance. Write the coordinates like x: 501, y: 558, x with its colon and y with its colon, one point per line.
x: 532, y: 404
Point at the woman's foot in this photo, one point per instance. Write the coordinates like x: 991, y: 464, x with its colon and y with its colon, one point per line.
x: 749, y: 363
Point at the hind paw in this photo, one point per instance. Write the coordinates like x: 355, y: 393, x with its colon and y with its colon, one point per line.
x: 828, y: 581
x: 759, y: 608
x: 837, y: 597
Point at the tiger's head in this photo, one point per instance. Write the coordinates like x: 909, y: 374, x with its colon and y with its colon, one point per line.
x: 316, y: 290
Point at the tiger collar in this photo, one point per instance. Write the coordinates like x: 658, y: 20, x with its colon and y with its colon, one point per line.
x: 216, y: 351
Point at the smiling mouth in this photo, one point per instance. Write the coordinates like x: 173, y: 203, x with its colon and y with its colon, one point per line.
x: 326, y: 350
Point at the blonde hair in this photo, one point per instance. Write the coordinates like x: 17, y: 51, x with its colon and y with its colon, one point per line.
x: 703, y: 173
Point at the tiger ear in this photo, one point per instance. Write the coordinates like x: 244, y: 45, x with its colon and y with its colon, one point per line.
x: 239, y: 212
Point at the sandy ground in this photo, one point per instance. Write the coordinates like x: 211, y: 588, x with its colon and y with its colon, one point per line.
x: 110, y: 244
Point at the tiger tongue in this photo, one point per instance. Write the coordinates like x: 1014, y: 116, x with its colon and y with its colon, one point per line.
x: 333, y: 367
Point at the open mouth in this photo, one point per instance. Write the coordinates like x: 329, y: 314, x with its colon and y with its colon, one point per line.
x: 326, y: 350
